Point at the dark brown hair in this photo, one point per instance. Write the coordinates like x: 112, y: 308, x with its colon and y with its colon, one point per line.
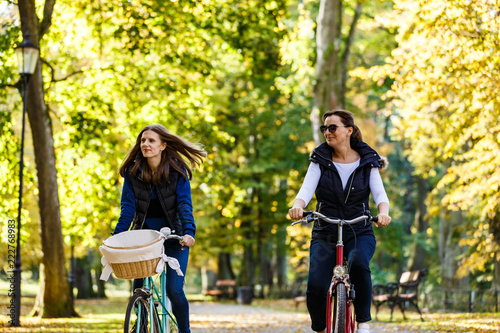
x: 171, y: 156
x: 347, y: 119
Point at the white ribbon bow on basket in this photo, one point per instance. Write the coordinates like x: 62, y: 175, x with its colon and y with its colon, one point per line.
x: 172, y: 262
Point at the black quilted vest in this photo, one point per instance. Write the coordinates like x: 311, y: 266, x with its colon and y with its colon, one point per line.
x: 166, y: 192
x: 348, y: 203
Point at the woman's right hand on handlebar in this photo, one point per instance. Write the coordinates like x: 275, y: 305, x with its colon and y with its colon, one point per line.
x: 296, y: 213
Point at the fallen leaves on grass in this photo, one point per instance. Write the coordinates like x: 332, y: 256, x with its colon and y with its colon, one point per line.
x: 460, y: 322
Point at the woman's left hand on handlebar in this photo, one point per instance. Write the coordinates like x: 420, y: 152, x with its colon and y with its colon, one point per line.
x: 187, y: 241
x: 383, y: 220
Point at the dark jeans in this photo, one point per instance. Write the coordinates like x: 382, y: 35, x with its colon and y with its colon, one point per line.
x: 322, y: 262
x: 175, y: 284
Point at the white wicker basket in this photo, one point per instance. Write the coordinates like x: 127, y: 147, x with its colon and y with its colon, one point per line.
x: 132, y: 254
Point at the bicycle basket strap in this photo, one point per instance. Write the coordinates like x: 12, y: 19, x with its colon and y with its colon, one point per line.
x: 106, y: 271
x: 172, y: 262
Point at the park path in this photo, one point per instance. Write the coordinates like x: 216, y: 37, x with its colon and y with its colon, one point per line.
x: 236, y: 318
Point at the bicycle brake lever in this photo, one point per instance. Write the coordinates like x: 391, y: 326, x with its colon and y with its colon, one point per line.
x: 308, y: 219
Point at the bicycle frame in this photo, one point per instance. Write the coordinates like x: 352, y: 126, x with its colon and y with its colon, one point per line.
x: 149, y: 303
x: 160, y: 315
x: 340, y: 315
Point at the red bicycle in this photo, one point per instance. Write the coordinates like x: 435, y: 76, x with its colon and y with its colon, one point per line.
x: 340, y: 316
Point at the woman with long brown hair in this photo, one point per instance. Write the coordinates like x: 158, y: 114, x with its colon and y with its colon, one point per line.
x: 156, y: 194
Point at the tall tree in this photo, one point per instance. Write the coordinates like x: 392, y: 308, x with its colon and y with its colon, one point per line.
x: 333, y: 50
x: 416, y: 260
x: 445, y: 70
x: 54, y: 299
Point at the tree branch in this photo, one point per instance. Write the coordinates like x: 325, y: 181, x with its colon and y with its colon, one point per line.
x: 80, y: 71
x: 71, y: 74
x: 350, y: 37
x: 52, y: 71
x: 347, y: 50
x: 17, y: 85
x: 48, y: 8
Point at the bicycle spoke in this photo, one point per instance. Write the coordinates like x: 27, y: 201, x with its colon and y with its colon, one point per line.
x: 138, y: 316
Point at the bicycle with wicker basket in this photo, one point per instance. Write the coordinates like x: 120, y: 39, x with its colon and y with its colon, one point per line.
x: 137, y: 254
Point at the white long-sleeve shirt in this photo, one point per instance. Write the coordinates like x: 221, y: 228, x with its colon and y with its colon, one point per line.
x: 345, y: 170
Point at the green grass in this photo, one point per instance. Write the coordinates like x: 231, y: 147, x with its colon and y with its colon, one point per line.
x: 442, y: 322
x: 100, y: 315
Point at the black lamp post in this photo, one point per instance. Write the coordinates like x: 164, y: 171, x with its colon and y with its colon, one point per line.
x: 27, y: 57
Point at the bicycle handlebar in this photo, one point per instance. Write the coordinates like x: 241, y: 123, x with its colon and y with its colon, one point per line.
x: 310, y: 216
x: 181, y: 238
x: 167, y: 233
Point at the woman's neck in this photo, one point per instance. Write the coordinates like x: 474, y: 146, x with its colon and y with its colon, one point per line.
x: 154, y: 163
x: 345, y: 154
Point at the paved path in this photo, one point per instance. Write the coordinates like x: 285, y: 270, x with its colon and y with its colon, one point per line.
x: 235, y: 318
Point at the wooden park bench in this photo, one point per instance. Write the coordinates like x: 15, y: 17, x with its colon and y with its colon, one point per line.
x: 399, y: 293
x: 224, y: 289
x: 298, y: 300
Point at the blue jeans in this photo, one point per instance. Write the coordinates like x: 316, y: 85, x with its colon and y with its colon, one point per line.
x: 175, y: 284
x: 322, y: 262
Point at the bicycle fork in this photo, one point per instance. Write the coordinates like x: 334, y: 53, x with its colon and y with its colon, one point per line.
x: 341, y: 282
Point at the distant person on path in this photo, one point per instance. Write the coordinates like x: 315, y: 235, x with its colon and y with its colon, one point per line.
x: 156, y: 194
x: 343, y: 172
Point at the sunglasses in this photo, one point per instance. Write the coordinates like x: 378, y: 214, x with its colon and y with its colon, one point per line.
x: 331, y: 128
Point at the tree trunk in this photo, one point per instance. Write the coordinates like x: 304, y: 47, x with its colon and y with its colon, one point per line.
x: 344, y: 60
x: 101, y: 285
x: 495, y: 284
x: 449, y: 249
x: 248, y: 269
x: 265, y: 273
x: 495, y: 230
x: 248, y: 266
x: 327, y: 45
x: 40, y: 294
x: 56, y: 300
x: 417, y: 251
x: 281, y: 261
x: 83, y: 279
x: 331, y: 63
x: 225, y: 269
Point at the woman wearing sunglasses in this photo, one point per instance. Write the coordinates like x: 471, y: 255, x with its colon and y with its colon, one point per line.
x: 156, y: 194
x: 343, y: 172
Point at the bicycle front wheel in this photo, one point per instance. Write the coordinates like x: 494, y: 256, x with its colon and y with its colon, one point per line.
x: 172, y: 326
x: 339, y: 309
x: 139, y: 318
x: 167, y: 321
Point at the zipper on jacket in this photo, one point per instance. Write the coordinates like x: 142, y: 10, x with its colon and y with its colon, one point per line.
x: 165, y: 211
x: 350, y: 186
x: 147, y: 207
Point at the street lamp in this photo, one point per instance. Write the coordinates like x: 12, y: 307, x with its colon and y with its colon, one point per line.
x: 27, y: 57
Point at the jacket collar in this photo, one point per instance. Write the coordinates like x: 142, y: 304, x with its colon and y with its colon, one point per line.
x: 367, y: 154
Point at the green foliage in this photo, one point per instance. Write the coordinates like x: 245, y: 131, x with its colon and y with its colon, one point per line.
x: 446, y: 108
x: 208, y: 73
x: 238, y: 77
